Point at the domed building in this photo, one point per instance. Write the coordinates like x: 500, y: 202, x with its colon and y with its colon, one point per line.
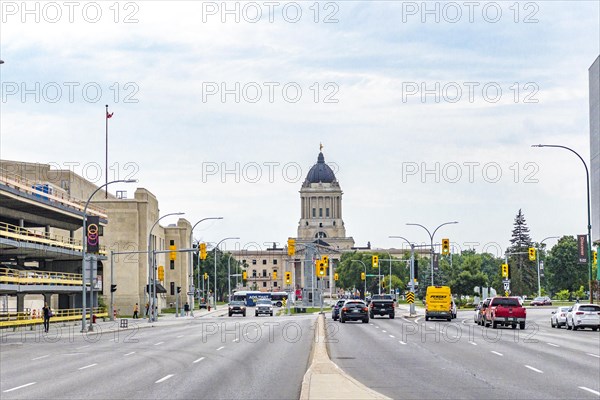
x: 321, y: 208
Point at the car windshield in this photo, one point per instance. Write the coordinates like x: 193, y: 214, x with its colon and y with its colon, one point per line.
x: 355, y: 303
x: 236, y: 303
x: 506, y: 302
x: 263, y: 301
x: 564, y: 309
x: 340, y: 303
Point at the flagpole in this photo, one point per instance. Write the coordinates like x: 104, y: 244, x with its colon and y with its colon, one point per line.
x: 106, y: 155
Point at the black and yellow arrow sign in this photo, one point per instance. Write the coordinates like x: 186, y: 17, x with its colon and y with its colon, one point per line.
x: 410, y: 298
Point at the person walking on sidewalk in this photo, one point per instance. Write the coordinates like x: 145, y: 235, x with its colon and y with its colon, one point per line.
x: 47, y: 313
x: 186, y: 308
x: 136, y: 308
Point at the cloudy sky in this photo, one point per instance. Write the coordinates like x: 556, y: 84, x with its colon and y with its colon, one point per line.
x: 426, y: 111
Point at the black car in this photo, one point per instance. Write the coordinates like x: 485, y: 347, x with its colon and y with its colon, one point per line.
x: 353, y: 310
x: 335, y: 313
x: 237, y: 307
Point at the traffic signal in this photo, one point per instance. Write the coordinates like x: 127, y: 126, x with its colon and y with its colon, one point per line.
x: 113, y: 288
x: 288, y: 278
x: 505, y: 270
x: 445, y: 246
x: 362, y: 276
x: 205, y: 275
x: 203, y: 251
x: 161, y: 273
x: 244, y: 276
x: 375, y: 261
x: 291, y: 247
x: 320, y: 268
x: 178, y: 289
x: 532, y: 254
x: 595, y: 257
x: 274, y: 275
x: 383, y: 283
x: 325, y: 259
x: 173, y: 253
x: 336, y: 276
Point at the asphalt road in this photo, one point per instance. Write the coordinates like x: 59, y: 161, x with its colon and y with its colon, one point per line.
x: 414, y: 359
x: 210, y: 357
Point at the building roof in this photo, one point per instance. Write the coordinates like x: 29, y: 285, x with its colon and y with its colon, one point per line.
x: 320, y: 172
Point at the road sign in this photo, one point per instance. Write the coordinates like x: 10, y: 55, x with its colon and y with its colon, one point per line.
x: 410, y: 298
x: 190, y: 293
x: 506, y: 284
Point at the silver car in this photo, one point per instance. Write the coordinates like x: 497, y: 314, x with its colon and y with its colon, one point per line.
x: 584, y: 316
x: 263, y: 306
x: 559, y: 317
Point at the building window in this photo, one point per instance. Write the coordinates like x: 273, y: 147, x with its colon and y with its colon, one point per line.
x: 243, y: 262
x: 254, y: 273
x: 320, y: 212
x: 264, y: 273
x: 172, y: 264
x: 320, y: 235
x: 274, y: 262
x: 172, y: 288
x: 253, y: 262
x: 314, y: 212
x: 327, y: 212
x: 320, y: 224
x: 264, y: 284
x: 333, y: 223
x: 264, y: 262
x: 275, y: 283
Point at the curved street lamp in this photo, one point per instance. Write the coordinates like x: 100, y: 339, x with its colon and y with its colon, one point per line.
x: 431, y: 235
x: 589, y: 226
x: 215, y: 278
x: 412, y: 268
x: 83, y: 251
x: 152, y: 270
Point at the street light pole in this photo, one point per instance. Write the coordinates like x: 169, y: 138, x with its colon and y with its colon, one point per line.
x: 538, y: 262
x: 84, y: 249
x: 191, y: 268
x: 229, y: 277
x: 412, y: 269
x: 215, y: 278
x: 431, y: 235
x: 152, y: 270
x: 589, y: 218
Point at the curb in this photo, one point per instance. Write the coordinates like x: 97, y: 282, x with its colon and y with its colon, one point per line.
x: 326, y: 380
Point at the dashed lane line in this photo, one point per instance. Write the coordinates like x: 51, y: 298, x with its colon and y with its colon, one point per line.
x: 392, y: 336
x: 128, y: 354
x: 589, y: 390
x: 498, y: 354
x: 82, y: 347
x: 552, y: 344
x: 534, y: 369
x: 19, y: 387
x: 40, y: 357
x: 156, y: 344
x: 164, y: 378
x: 198, y: 360
x: 401, y: 342
x: 473, y: 343
x: 180, y: 336
x: 221, y: 348
x: 88, y: 366
x: 593, y: 355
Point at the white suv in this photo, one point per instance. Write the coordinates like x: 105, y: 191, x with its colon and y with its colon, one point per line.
x: 584, y: 316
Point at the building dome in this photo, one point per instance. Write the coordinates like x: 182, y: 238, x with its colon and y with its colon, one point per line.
x: 320, y: 172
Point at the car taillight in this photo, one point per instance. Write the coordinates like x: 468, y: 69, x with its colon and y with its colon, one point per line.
x: 345, y: 309
x: 562, y: 314
x: 365, y: 309
x: 579, y: 313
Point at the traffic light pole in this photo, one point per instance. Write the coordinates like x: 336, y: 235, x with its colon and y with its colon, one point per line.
x: 412, y: 270
x: 431, y: 235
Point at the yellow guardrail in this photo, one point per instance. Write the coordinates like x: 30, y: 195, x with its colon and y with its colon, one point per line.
x: 29, y: 277
x: 14, y: 319
x: 58, y: 196
x: 49, y: 239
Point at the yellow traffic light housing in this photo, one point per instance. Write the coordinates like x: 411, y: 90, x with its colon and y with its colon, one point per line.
x: 362, y: 276
x: 532, y: 254
x: 203, y: 251
x: 288, y: 278
x: 336, y: 276
x: 173, y: 253
x: 291, y: 247
x: 274, y: 275
x: 505, y: 270
x: 595, y: 257
x: 325, y: 260
x: 161, y: 273
x: 244, y: 276
x: 205, y: 275
x: 320, y: 268
x: 445, y: 246
x: 375, y: 261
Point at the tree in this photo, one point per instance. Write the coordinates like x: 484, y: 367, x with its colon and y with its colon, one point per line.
x: 352, y: 264
x: 523, y: 272
x: 562, y: 266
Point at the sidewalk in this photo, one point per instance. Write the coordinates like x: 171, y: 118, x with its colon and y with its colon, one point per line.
x: 325, y: 380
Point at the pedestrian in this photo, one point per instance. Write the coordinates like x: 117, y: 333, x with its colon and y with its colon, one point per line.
x: 147, y: 309
x: 47, y: 314
x: 135, y: 311
x: 186, y: 308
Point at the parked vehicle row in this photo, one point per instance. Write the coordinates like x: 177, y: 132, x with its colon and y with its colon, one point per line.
x: 579, y: 316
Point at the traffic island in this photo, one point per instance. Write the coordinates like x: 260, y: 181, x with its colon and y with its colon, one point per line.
x: 325, y: 380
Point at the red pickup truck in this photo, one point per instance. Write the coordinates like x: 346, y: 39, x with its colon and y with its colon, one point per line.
x: 505, y: 311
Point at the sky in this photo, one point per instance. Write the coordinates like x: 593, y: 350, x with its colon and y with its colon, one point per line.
x: 426, y: 110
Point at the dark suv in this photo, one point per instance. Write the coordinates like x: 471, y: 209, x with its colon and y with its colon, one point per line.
x: 335, y: 313
x: 353, y: 310
x: 237, y: 307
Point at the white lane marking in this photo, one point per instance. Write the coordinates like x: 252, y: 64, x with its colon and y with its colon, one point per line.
x: 371, y: 324
x: 534, y: 369
x: 221, y: 348
x: 198, y: 360
x: 473, y: 343
x: 82, y: 347
x: 128, y: 354
x: 593, y: 355
x: 164, y: 378
x: 236, y: 340
x: 88, y: 366
x: 392, y: 336
x: 498, y: 354
x: 401, y: 342
x: 383, y: 331
x: 552, y: 344
x: 376, y: 327
x: 112, y: 340
x: 180, y: 336
x: 589, y: 390
x: 156, y: 344
x: 39, y: 358
x: 19, y: 387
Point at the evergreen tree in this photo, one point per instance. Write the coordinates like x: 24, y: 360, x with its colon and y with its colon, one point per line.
x: 523, y: 272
